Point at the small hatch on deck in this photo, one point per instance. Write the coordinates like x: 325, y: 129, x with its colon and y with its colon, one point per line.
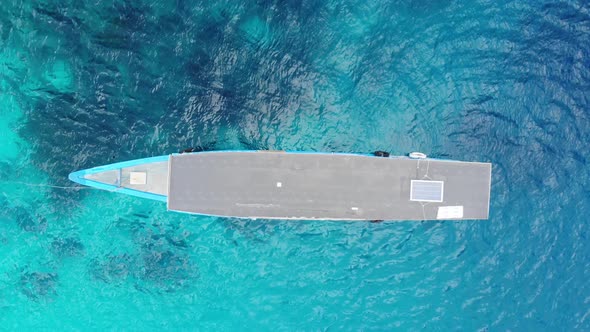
x: 137, y: 177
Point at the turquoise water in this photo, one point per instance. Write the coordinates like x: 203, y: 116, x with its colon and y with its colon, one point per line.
x: 86, y: 83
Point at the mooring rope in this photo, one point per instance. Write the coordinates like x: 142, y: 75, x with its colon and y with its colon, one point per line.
x: 47, y: 185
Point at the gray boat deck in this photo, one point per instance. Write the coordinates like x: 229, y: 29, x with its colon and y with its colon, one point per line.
x: 327, y: 186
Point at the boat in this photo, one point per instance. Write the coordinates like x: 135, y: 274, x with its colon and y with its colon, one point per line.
x: 303, y: 185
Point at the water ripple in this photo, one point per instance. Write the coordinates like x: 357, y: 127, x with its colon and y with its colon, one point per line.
x: 85, y: 84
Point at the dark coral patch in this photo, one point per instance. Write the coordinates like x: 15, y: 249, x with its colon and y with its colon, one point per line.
x: 29, y: 222
x: 38, y: 285
x: 67, y: 247
x: 255, y: 231
x: 168, y: 269
x: 155, y: 240
x: 112, y: 268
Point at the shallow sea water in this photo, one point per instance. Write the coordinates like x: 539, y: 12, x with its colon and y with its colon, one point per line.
x: 86, y: 83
